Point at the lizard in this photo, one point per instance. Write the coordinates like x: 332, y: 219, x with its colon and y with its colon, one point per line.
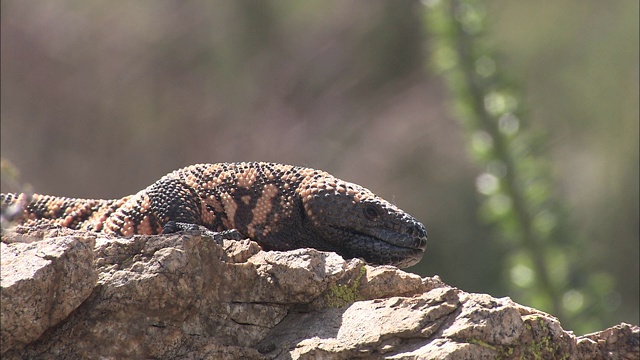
x: 281, y: 207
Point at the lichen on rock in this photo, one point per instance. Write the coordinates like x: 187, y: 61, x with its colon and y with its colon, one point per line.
x: 71, y: 295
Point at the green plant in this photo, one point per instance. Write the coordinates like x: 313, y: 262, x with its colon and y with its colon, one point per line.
x: 545, y: 268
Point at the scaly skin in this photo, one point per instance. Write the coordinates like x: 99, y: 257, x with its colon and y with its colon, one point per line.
x: 281, y: 207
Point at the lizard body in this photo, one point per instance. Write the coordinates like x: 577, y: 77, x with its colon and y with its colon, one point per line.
x: 281, y: 207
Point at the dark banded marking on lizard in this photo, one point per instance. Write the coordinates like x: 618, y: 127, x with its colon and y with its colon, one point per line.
x: 281, y: 207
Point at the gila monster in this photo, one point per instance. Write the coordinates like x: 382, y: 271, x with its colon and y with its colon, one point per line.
x: 281, y: 207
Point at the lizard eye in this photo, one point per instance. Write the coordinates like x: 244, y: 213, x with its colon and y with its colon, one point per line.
x: 371, y: 212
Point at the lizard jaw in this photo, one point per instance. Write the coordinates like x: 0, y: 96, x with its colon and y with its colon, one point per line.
x: 385, y: 247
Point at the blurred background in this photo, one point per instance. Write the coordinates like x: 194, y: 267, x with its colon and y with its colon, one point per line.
x: 100, y: 99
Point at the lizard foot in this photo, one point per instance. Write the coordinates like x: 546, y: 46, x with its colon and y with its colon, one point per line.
x: 173, y: 227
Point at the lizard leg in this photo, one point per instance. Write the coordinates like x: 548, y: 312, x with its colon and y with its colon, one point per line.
x: 172, y: 227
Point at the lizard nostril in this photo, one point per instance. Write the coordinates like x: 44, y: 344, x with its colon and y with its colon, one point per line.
x: 416, y: 230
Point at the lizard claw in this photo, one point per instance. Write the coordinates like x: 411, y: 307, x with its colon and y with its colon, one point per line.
x: 173, y: 227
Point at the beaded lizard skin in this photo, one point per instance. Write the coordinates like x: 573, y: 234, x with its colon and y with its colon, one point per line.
x: 281, y: 207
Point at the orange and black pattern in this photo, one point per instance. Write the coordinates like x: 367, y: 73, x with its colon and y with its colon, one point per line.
x: 282, y: 207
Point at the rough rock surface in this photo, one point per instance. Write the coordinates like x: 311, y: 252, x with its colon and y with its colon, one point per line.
x: 68, y: 294
x: 42, y: 283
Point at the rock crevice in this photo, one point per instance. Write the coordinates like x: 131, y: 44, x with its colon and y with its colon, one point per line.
x: 69, y: 294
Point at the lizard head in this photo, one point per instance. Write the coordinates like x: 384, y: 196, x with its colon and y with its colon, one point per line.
x: 352, y: 221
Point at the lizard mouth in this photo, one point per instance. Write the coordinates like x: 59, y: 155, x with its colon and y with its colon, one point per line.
x: 384, y: 246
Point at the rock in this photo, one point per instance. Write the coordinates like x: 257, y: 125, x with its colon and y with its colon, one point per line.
x: 42, y: 282
x: 184, y: 296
